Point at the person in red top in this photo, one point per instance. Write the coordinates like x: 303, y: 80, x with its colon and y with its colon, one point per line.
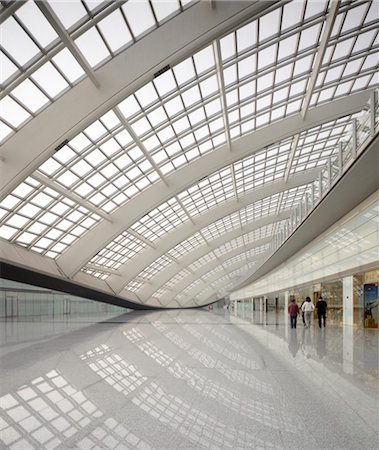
x: 293, y: 311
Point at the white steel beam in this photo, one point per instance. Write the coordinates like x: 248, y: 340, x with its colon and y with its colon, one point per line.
x: 71, y: 195
x: 187, y: 229
x: 320, y: 55
x: 83, y: 104
x: 54, y: 21
x: 185, y: 282
x: 94, y: 240
x: 192, y: 256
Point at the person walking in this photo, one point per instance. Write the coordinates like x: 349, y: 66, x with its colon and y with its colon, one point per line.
x: 293, y: 311
x: 308, y: 308
x: 302, y: 312
x: 321, y: 306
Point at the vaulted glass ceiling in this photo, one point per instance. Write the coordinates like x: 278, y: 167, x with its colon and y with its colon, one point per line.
x: 195, y: 240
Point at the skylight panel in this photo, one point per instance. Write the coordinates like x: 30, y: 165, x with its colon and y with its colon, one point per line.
x: 309, y: 37
x: 191, y: 96
x: 247, y: 67
x: 184, y: 71
x: 110, y: 120
x: 69, y: 13
x: 50, y: 80
x: 364, y: 40
x: 92, y: 47
x: 12, y: 112
x: 197, y: 116
x: 204, y: 60
x: 354, y: 17
x: 7, y: 68
x: 68, y: 65
x: 146, y: 95
x: 315, y: 8
x: 292, y: 14
x: 266, y: 57
x: 5, y: 131
x: 174, y: 106
x: 141, y: 126
x: 165, y: 83
x: 129, y: 107
x: 16, y: 42
x: 36, y: 23
x: 67, y: 179
x: 247, y: 36
x: 230, y: 75
x: 165, y: 9
x: 287, y: 47
x: 95, y: 131
x: 265, y: 82
x: 228, y: 46
x: 80, y: 142
x: 269, y: 24
x: 157, y: 116
x: 115, y: 31
x: 139, y: 16
x: 30, y: 96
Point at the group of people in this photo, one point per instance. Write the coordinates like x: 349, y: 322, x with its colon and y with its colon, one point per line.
x: 306, y: 309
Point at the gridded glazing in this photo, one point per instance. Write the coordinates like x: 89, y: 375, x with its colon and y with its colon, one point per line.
x: 263, y: 167
x: 221, y: 226
x: 102, y: 165
x: 117, y: 252
x: 134, y: 285
x: 212, y: 273
x: 196, y: 265
x: 37, y: 67
x: 266, y: 64
x: 262, y: 208
x: 293, y: 197
x: 43, y: 220
x: 350, y: 62
x: 178, y: 115
x: 160, y: 220
x: 210, y: 192
x: 246, y: 239
x: 154, y: 268
x: 246, y: 255
x: 187, y: 246
x: 316, y: 145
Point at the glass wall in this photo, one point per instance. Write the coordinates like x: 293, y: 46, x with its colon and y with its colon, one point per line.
x: 22, y: 300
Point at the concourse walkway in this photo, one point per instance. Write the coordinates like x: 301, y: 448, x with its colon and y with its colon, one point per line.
x: 188, y: 379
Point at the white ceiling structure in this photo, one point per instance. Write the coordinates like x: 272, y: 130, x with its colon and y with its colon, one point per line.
x: 154, y: 149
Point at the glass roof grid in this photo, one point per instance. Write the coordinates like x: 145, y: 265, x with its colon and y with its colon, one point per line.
x: 259, y: 209
x: 221, y: 226
x: 337, y: 64
x: 119, y: 251
x: 176, y: 279
x: 155, y: 267
x: 319, y: 143
x: 262, y: 167
x: 229, y: 246
x: 96, y: 273
x: 201, y: 261
x: 211, y: 191
x: 43, y: 220
x: 41, y: 44
x: 133, y: 286
x: 292, y: 197
x: 167, y: 216
x: 187, y: 246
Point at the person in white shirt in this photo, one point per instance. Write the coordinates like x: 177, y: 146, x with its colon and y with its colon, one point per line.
x: 307, y: 308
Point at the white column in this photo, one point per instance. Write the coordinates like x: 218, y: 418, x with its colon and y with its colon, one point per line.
x: 347, y: 301
x: 261, y: 309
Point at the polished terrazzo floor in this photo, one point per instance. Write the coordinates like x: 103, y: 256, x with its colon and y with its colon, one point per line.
x: 186, y: 380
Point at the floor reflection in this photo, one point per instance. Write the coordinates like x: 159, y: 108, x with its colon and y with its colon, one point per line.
x: 188, y: 380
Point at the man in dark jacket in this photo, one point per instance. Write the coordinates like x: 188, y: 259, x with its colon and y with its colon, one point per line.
x: 321, y: 311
